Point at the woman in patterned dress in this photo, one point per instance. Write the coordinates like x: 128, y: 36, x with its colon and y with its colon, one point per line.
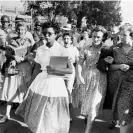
x: 121, y: 81
x: 45, y: 108
x: 91, y: 88
x: 16, y: 82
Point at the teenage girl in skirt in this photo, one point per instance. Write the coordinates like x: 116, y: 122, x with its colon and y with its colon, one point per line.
x: 46, y: 105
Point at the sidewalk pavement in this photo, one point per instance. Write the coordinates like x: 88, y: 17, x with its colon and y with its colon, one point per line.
x: 16, y: 124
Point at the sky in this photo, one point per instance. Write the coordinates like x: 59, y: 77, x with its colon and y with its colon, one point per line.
x: 126, y: 5
x: 12, y: 4
x: 127, y: 11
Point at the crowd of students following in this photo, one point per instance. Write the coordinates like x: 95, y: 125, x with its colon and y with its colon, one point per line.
x: 98, y: 74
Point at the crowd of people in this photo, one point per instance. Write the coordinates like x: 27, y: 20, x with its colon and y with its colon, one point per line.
x: 97, y: 74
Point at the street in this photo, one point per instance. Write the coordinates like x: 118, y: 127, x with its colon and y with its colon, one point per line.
x: 16, y: 125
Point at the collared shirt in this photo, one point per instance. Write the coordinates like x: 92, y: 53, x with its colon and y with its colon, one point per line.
x: 73, y: 53
x: 56, y: 49
x: 8, y: 32
x: 43, y: 53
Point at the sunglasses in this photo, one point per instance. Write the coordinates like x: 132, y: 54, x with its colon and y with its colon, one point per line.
x: 38, y: 25
x: 48, y: 33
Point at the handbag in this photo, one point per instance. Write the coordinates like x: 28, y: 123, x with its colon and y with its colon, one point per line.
x: 11, y: 70
x: 102, y: 65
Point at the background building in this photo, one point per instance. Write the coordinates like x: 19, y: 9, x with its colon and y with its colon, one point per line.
x: 12, y: 12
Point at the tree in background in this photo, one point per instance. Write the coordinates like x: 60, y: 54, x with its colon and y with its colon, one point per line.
x: 50, y: 9
x: 104, y: 13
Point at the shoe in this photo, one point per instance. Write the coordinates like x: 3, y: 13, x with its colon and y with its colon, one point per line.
x: 112, y: 125
x: 4, y: 119
x: 15, y: 105
x: 71, y: 120
x: 85, y: 120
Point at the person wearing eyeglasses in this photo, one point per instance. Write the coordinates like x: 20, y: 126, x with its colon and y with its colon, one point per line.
x: 46, y: 105
x: 5, y: 23
x: 6, y: 27
x: 121, y: 82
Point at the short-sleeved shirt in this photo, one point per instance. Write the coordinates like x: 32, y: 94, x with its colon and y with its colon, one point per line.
x: 8, y: 33
x: 57, y: 50
x: 44, y: 51
x: 73, y: 53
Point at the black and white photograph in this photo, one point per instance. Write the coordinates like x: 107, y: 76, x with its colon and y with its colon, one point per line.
x: 66, y: 66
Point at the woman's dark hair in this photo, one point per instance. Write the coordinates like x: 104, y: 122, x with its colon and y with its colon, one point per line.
x: 105, y: 36
x: 53, y: 25
x: 68, y: 34
x: 87, y: 29
x: 131, y: 34
x: 103, y: 30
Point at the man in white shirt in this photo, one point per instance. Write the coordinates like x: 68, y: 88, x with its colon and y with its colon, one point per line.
x: 5, y: 26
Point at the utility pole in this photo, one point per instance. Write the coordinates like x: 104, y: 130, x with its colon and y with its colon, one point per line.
x: 31, y: 19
